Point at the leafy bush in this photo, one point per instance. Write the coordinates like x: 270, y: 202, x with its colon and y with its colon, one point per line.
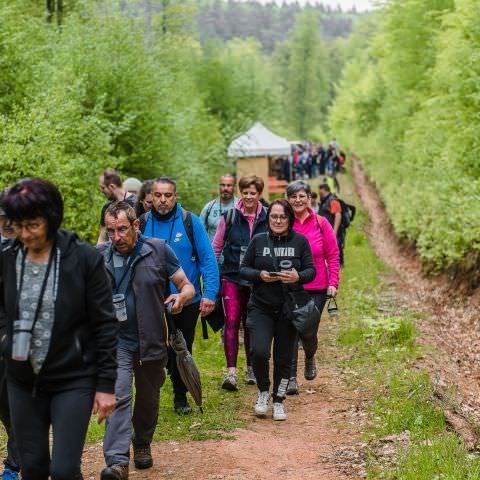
x: 407, y: 103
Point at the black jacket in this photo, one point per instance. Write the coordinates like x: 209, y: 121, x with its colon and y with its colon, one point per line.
x: 293, y: 247
x: 84, y: 337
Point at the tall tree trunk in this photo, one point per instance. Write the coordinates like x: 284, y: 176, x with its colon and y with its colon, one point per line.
x: 165, y: 4
x: 59, y: 12
x: 50, y: 10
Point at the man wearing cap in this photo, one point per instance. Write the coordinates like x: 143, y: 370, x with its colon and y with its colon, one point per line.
x: 132, y: 185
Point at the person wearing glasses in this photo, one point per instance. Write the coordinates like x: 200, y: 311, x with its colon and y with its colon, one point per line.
x: 58, y: 333
x: 275, y: 262
x: 140, y: 270
x: 321, y: 238
x: 12, y: 461
x: 230, y: 243
x: 144, y: 198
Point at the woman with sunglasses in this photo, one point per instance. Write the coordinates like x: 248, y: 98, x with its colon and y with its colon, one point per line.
x: 58, y: 333
x: 275, y: 262
x: 323, y: 243
x: 230, y: 243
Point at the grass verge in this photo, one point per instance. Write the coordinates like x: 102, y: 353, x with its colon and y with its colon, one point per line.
x: 378, y: 340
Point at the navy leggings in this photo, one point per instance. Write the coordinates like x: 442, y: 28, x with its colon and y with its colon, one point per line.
x: 68, y: 413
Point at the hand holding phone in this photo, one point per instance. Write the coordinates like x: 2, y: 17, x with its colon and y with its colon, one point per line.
x: 269, y: 276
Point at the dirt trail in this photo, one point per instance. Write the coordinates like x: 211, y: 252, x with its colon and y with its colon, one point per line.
x: 309, y: 445
x: 452, y: 324
x: 318, y: 441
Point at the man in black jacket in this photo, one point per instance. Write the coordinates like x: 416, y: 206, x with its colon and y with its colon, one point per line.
x: 140, y: 269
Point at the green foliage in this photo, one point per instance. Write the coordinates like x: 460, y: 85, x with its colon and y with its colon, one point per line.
x: 445, y: 457
x: 300, y: 67
x: 406, y: 433
x: 269, y: 23
x: 408, y: 105
x: 406, y: 406
x: 95, y: 94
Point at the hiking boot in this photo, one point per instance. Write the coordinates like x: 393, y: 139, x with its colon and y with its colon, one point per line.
x: 115, y: 472
x: 279, y: 412
x: 261, y: 407
x: 250, y: 377
x: 182, y: 407
x: 292, y: 388
x: 9, y: 474
x: 230, y: 382
x: 310, y: 371
x: 142, y: 457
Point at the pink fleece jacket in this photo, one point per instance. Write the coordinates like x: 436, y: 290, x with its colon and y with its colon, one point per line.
x: 324, y: 247
x: 217, y: 242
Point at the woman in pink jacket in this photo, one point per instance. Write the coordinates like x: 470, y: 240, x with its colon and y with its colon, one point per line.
x: 326, y: 257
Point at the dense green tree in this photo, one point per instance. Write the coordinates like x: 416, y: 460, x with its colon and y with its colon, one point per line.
x: 408, y: 102
x: 305, y: 86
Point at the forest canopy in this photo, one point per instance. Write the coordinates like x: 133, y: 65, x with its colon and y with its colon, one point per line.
x: 136, y: 85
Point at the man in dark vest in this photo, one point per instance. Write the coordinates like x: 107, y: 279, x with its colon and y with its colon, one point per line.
x: 140, y: 269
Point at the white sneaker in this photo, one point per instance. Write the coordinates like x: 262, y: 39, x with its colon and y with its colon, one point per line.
x: 279, y: 412
x: 261, y: 407
x: 250, y: 377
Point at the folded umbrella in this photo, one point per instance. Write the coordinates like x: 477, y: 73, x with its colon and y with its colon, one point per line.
x: 186, y: 364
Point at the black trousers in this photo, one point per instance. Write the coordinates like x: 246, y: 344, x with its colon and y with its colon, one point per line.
x: 310, y: 341
x: 341, y: 237
x: 265, y: 327
x: 185, y: 321
x: 68, y: 413
x: 12, y: 461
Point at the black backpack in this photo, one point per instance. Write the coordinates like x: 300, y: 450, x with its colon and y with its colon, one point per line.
x: 348, y: 213
x: 187, y: 223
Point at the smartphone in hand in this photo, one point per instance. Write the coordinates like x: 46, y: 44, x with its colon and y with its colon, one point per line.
x: 273, y: 274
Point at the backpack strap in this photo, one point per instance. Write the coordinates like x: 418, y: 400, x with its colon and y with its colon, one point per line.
x: 188, y: 224
x: 229, y: 219
x: 143, y: 221
x: 207, y: 215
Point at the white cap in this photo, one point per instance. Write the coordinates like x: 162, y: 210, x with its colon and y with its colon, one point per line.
x: 132, y: 185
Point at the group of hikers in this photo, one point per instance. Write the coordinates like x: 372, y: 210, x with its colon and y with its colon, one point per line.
x: 79, y: 325
x: 308, y: 161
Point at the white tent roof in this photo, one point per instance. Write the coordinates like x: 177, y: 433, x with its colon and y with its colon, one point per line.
x: 259, y: 141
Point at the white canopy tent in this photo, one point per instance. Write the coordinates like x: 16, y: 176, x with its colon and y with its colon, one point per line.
x: 259, y: 141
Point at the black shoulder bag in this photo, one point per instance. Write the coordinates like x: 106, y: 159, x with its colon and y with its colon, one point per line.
x: 299, y: 305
